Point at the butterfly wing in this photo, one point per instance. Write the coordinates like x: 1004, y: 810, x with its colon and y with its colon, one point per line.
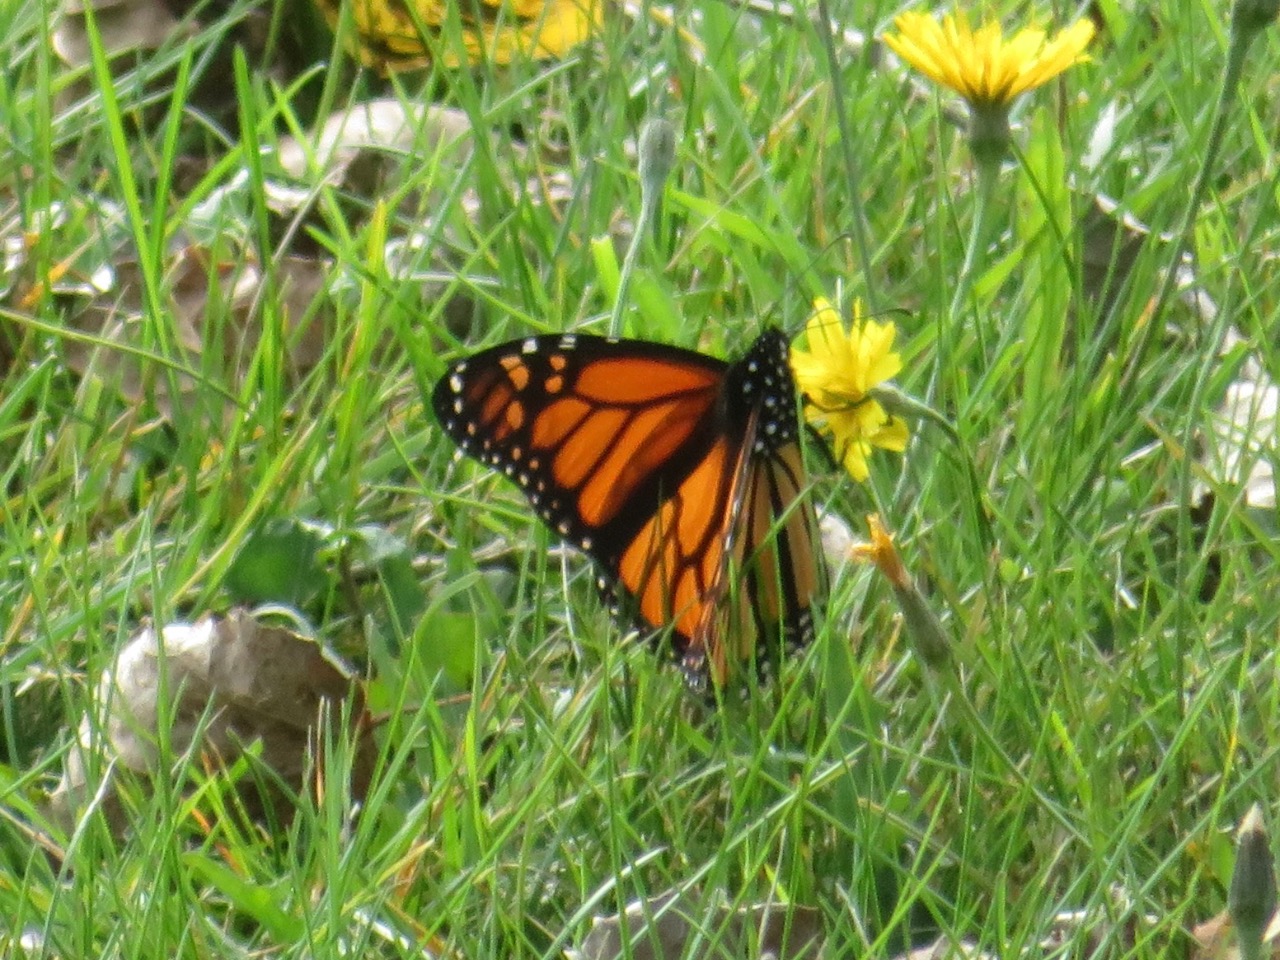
x: 774, y: 556
x: 770, y: 573
x: 663, y: 465
x: 597, y: 432
x: 674, y: 568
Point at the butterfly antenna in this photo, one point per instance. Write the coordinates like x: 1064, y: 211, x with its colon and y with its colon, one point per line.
x: 657, y: 157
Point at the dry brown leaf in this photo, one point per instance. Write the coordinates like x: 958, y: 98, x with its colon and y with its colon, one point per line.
x: 230, y: 683
x: 122, y: 24
x: 218, y: 304
x: 943, y: 949
x: 1102, y: 927
x: 383, y: 128
x: 661, y: 929
x: 78, y: 271
x: 1215, y: 939
x: 272, y: 37
x: 1241, y: 447
x: 114, y: 321
x: 1111, y: 240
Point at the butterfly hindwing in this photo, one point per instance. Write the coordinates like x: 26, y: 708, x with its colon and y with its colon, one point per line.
x: 771, y: 571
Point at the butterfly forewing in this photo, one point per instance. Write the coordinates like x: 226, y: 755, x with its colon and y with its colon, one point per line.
x: 590, y: 429
x: 671, y: 469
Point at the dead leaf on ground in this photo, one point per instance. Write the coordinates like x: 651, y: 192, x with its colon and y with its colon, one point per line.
x: 216, y: 299
x: 1111, y: 240
x: 272, y: 37
x: 1215, y: 939
x: 378, y: 129
x: 1241, y: 447
x: 122, y: 24
x: 79, y: 270
x: 1116, y: 926
x: 212, y: 304
x: 220, y: 304
x: 944, y: 949
x: 663, y: 927
x: 233, y: 686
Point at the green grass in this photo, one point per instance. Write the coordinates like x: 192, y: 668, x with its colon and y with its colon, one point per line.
x: 1111, y: 713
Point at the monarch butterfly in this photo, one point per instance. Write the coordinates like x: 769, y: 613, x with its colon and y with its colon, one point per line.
x: 672, y: 469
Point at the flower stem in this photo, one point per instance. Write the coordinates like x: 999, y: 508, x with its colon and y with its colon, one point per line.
x: 988, y: 174
x: 629, y: 264
x: 657, y: 151
x: 902, y: 404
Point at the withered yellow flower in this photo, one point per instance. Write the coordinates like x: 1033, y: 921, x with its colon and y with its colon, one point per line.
x: 881, y: 551
x: 392, y: 35
x: 927, y: 636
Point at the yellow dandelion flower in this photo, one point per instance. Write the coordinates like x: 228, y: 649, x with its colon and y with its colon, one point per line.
x: 981, y: 65
x: 836, y: 375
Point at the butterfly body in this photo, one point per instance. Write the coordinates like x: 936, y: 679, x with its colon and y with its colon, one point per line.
x: 672, y: 469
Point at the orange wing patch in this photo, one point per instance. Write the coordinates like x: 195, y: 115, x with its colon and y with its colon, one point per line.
x: 557, y: 421
x: 775, y: 499
x: 604, y: 453
x: 587, y: 446
x: 674, y: 565
x: 638, y: 381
